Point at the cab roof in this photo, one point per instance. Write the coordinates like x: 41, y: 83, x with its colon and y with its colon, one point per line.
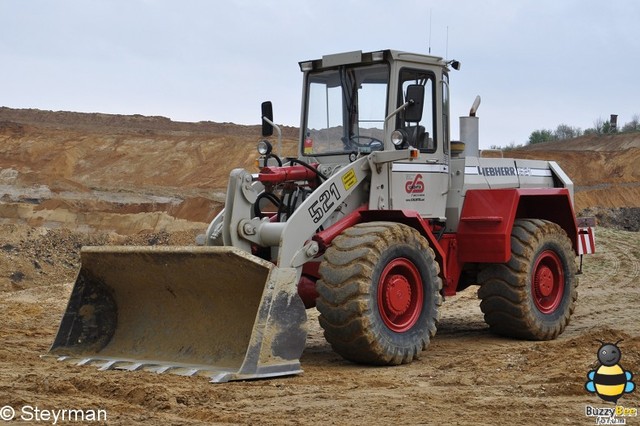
x: 357, y: 57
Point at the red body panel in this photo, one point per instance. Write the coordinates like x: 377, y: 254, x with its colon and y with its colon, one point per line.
x: 487, y: 218
x: 485, y: 224
x: 453, y: 267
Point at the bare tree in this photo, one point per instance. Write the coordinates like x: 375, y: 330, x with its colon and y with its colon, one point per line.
x: 598, y: 125
x: 564, y: 131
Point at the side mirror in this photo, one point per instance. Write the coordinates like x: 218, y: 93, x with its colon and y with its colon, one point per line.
x: 415, y: 97
x: 267, y: 112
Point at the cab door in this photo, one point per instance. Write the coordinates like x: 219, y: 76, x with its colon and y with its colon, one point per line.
x: 422, y: 184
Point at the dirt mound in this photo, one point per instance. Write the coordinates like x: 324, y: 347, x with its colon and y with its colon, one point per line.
x: 15, y: 119
x: 105, y: 171
x: 624, y: 218
x: 595, y: 142
x: 604, y: 168
x: 32, y: 256
x: 118, y: 173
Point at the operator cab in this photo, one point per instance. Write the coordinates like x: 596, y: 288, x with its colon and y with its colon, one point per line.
x: 351, y: 100
x: 356, y: 103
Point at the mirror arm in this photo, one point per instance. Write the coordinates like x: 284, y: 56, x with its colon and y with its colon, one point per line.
x: 275, y: 126
x: 400, y: 108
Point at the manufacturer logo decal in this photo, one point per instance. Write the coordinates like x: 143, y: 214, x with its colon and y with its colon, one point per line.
x: 415, y: 186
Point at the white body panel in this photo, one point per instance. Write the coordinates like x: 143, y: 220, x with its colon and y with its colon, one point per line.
x: 498, y: 173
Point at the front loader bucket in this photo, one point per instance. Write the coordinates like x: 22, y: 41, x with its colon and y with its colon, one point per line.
x: 214, y: 311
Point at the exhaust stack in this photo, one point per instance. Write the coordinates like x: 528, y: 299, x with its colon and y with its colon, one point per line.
x: 469, y: 131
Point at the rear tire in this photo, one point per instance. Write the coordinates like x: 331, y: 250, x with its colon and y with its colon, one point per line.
x: 533, y: 295
x: 379, y: 293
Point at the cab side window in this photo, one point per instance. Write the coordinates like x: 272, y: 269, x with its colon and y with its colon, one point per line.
x: 421, y: 134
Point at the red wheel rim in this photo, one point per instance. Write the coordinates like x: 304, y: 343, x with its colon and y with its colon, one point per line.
x: 547, y: 282
x: 400, y: 295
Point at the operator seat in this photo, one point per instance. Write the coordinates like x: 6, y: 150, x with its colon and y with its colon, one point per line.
x: 417, y: 136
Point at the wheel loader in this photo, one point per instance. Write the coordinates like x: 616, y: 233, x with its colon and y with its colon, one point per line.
x: 378, y: 218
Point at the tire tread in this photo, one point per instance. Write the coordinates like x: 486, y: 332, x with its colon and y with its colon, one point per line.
x: 505, y: 289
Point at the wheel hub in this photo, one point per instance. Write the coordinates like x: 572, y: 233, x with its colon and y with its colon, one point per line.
x: 544, y: 280
x: 398, y: 294
x: 547, y: 281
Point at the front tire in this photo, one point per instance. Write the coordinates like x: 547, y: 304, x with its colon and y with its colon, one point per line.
x: 533, y: 295
x: 379, y: 293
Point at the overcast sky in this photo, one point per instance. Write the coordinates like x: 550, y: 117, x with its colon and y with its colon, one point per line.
x: 536, y: 63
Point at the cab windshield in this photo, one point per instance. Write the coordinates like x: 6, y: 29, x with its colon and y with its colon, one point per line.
x: 345, y: 110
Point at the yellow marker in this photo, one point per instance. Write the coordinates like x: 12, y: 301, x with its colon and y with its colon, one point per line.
x: 349, y: 179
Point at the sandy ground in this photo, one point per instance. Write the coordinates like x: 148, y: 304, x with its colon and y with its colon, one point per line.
x: 467, y: 375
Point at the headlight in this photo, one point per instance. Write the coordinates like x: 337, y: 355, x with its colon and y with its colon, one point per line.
x: 398, y: 137
x: 264, y: 147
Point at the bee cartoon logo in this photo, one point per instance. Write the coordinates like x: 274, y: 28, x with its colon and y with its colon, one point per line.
x: 609, y: 380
